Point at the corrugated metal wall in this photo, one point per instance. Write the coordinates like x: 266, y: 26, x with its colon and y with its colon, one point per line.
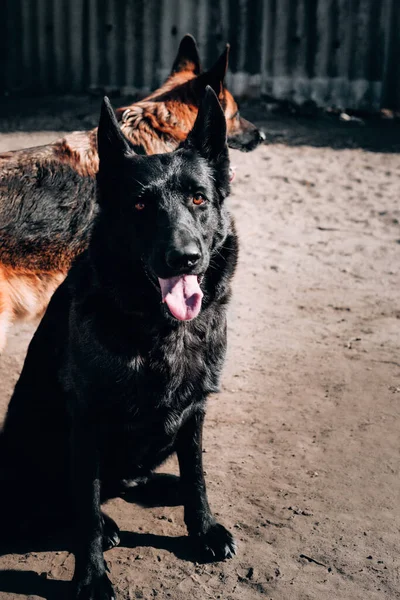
x: 335, y: 52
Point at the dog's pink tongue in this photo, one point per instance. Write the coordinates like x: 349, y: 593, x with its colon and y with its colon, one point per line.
x: 182, y: 295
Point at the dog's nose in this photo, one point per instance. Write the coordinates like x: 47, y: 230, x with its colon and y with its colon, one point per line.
x: 261, y: 135
x: 182, y: 258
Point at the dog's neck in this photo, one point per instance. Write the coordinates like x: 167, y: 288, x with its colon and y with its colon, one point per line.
x: 157, y: 127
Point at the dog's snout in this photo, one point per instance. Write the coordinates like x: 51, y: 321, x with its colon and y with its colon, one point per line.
x: 184, y: 257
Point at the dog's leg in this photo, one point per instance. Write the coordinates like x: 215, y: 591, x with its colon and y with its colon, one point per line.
x: 214, y: 539
x: 90, y: 576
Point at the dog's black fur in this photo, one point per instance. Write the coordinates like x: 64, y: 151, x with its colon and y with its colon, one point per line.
x: 113, y: 383
x: 38, y: 233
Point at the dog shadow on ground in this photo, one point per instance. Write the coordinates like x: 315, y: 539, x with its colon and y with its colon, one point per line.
x: 159, y: 490
x: 33, y: 584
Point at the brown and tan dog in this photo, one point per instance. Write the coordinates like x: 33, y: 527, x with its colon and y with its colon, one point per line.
x: 47, y: 201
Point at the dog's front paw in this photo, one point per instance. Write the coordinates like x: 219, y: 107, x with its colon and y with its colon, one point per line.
x: 217, y: 543
x: 98, y: 588
x: 110, y: 533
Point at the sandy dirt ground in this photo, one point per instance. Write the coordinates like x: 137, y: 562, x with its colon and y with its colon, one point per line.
x: 302, y: 442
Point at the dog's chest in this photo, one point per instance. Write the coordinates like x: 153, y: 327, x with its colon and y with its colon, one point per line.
x: 177, y: 367
x: 154, y: 393
x: 143, y: 397
x: 172, y: 376
x: 156, y: 401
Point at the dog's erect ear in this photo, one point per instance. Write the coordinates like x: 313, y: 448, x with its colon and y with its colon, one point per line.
x: 208, y: 135
x: 215, y: 76
x: 111, y: 142
x: 219, y: 69
x: 188, y: 58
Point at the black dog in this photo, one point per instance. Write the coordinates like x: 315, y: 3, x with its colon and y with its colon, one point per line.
x: 117, y: 375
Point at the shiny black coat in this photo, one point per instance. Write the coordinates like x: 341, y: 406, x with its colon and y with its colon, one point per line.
x: 112, y: 383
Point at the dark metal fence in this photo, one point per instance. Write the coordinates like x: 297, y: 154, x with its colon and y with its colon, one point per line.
x: 335, y: 52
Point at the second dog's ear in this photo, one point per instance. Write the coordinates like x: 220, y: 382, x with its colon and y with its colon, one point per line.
x: 215, y: 76
x: 208, y: 135
x: 219, y: 69
x: 111, y: 142
x: 188, y: 58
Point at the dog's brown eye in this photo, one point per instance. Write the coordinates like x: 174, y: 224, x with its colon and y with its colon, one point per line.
x: 139, y: 205
x: 198, y: 199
